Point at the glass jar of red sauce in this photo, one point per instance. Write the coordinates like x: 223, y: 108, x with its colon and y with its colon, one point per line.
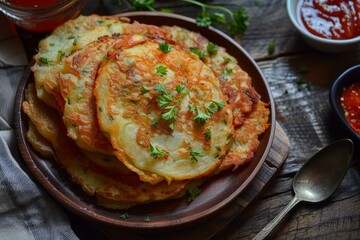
x: 40, y: 15
x: 350, y: 101
x: 331, y: 19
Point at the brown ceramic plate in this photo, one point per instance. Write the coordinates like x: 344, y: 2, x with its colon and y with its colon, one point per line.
x: 216, y: 193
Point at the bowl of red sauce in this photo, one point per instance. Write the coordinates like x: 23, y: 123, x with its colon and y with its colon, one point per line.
x: 327, y: 25
x: 345, y: 100
x: 40, y: 15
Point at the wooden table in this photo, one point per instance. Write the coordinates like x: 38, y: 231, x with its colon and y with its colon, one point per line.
x: 304, y: 114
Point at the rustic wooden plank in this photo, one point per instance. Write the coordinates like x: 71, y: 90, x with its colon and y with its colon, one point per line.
x: 335, y: 218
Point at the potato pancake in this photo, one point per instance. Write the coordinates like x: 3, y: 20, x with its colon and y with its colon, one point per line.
x: 71, y: 82
x: 162, y: 109
x: 123, y: 187
x: 59, y: 44
x: 250, y: 114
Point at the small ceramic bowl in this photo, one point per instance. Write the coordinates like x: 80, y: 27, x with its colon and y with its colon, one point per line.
x: 322, y: 44
x: 43, y: 17
x: 350, y: 76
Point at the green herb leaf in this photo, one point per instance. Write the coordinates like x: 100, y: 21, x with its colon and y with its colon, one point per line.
x: 76, y: 39
x: 212, y: 48
x: 144, y: 90
x: 192, y: 194
x: 271, y: 47
x: 219, y: 104
x: 201, y: 116
x: 203, y: 19
x: 170, y: 115
x: 227, y: 59
x: 194, y: 154
x: 44, y: 60
x: 228, y: 70
x: 154, y: 122
x: 239, y: 22
x: 164, y: 47
x: 207, y: 134
x: 139, y: 5
x: 199, y: 52
x: 303, y: 82
x: 161, y: 70
x: 181, y: 89
x: 124, y: 216
x: 156, y: 152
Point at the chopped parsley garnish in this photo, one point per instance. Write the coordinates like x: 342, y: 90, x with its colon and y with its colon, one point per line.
x: 167, y: 102
x: 100, y: 22
x: 194, y: 154
x: 199, y: 52
x: 164, y: 98
x: 207, y: 134
x: 144, y: 90
x: 76, y: 39
x: 139, y: 5
x: 303, y: 82
x: 124, y: 216
x: 170, y: 115
x: 228, y: 70
x: 229, y: 136
x: 61, y: 54
x: 181, y: 89
x: 161, y: 70
x: 156, y: 152
x: 200, y: 116
x: 212, y: 48
x: 239, y: 22
x: 271, y: 47
x: 164, y: 47
x: 44, y: 60
x: 192, y: 194
x: 154, y: 122
x: 227, y: 59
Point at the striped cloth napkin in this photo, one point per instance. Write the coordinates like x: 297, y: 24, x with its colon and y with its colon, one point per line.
x: 26, y: 210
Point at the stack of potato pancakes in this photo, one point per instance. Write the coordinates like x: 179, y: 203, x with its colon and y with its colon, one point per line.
x: 137, y: 113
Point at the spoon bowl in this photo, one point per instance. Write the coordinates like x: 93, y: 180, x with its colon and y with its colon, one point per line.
x: 322, y: 174
x: 317, y: 179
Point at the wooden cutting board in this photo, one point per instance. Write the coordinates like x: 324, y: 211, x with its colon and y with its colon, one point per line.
x: 213, y: 226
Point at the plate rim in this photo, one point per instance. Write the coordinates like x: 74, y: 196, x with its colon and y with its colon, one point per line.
x: 186, y: 220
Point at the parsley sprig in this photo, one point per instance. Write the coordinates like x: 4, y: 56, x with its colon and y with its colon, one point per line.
x: 194, y: 154
x: 192, y: 193
x: 164, y: 47
x: 203, y: 116
x: 168, y: 102
x: 239, y: 20
x: 156, y: 152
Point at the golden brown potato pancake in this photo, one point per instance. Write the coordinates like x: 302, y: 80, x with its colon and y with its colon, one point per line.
x: 140, y: 85
x: 250, y: 114
x: 126, y: 188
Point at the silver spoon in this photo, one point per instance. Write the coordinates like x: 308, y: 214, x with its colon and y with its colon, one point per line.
x: 317, y: 179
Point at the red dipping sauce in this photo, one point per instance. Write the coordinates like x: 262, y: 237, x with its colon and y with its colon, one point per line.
x: 32, y: 3
x: 331, y: 19
x: 41, y: 15
x: 350, y: 101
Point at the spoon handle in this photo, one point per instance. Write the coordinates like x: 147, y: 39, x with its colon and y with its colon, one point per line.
x: 271, y: 225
